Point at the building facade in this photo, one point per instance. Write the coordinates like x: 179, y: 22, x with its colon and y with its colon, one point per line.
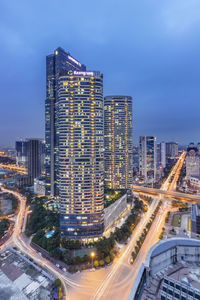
x: 81, y: 164
x: 192, y: 162
x: 171, y: 150
x: 147, y: 157
x: 35, y: 153
x: 163, y: 154
x: 195, y: 218
x: 57, y: 64
x: 118, y: 142
x: 39, y: 186
x: 21, y: 153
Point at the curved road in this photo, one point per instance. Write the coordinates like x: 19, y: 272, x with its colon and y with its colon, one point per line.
x: 116, y: 280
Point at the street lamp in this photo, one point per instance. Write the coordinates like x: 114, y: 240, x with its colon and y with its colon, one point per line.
x: 92, y: 254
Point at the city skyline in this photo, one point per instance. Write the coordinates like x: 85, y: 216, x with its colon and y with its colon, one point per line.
x: 100, y: 198
x: 154, y: 62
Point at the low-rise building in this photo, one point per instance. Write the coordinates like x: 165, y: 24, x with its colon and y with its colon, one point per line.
x: 22, y: 279
x: 193, y: 183
x: 39, y: 186
x: 171, y: 271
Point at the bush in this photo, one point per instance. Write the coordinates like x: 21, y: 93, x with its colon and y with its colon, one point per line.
x: 96, y: 263
x: 70, y: 269
x: 107, y: 259
x: 101, y: 262
x: 77, y: 268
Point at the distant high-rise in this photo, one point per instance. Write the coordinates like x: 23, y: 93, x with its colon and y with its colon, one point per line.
x: 192, y: 162
x: 195, y: 218
x: 35, y: 154
x: 81, y: 164
x: 161, y: 154
x: 198, y: 147
x: 171, y: 150
x: 147, y: 157
x: 118, y: 142
x: 57, y: 64
x: 21, y: 153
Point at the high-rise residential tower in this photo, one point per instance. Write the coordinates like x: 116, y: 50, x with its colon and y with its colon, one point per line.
x: 81, y: 165
x: 147, y: 157
x: 57, y: 64
x: 35, y: 156
x: 161, y: 154
x: 118, y: 142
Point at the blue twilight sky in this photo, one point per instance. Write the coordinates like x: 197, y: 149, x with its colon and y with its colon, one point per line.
x: 149, y: 49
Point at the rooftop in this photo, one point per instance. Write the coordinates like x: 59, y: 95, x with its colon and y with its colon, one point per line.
x: 21, y: 278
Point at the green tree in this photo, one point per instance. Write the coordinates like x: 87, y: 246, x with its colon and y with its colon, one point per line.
x: 57, y: 283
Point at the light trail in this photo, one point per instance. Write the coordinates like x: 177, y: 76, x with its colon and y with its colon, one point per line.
x: 103, y: 290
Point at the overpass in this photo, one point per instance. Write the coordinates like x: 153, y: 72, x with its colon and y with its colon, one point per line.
x: 168, y: 194
x: 13, y: 167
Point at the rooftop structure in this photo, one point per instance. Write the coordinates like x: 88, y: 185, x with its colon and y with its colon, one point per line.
x: 21, y: 279
x: 171, y: 271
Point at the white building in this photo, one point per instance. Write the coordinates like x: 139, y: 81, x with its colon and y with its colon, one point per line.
x: 39, y: 186
x: 192, y: 162
x: 171, y: 271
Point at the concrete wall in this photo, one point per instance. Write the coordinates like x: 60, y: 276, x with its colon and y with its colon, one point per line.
x: 173, y: 255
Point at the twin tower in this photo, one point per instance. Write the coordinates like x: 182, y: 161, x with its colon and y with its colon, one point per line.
x: 78, y: 125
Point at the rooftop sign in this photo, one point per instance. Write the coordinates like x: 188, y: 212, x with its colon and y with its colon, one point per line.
x: 84, y: 73
x: 74, y: 60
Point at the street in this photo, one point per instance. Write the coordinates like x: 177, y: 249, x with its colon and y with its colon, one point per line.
x: 115, y: 280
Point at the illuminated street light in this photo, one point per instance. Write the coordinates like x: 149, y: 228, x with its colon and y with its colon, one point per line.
x: 92, y: 254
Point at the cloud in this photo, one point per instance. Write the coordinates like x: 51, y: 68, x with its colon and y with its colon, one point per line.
x: 181, y: 16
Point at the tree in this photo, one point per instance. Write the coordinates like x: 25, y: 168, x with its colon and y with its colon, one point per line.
x: 57, y: 283
x: 56, y: 253
x: 66, y: 256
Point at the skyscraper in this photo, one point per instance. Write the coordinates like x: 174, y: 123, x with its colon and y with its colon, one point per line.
x: 161, y: 154
x: 21, y: 153
x: 147, y: 157
x: 81, y: 165
x: 57, y: 64
x: 35, y: 154
x: 118, y: 142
